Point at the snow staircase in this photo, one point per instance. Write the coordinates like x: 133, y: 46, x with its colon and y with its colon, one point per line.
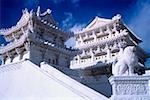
x: 76, y: 87
x: 26, y: 81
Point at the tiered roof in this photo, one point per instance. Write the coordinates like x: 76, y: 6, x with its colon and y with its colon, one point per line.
x: 21, y: 23
x: 26, y: 19
x: 45, y: 18
x: 97, y: 22
x: 101, y: 40
x: 101, y: 23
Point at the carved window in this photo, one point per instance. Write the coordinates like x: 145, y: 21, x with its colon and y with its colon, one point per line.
x: 56, y: 61
x: 49, y: 60
x: 41, y: 33
x: 83, y: 35
x: 113, y: 54
x: 89, y: 34
x: 77, y: 38
x: 97, y: 31
x: 112, y: 27
x: 53, y: 61
x: 55, y: 38
x: 104, y: 29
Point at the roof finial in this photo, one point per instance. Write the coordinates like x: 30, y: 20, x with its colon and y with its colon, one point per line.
x: 25, y: 11
x: 118, y: 16
x: 38, y: 11
x: 49, y: 11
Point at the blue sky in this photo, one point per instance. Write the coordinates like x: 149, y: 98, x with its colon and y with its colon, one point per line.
x: 75, y: 14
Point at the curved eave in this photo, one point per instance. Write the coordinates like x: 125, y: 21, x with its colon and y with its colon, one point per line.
x: 133, y: 35
x: 108, y: 22
x: 49, y: 17
x: 13, y: 45
x: 88, y: 30
x: 11, y: 30
x: 54, y: 27
x: 22, y: 22
x: 101, y: 22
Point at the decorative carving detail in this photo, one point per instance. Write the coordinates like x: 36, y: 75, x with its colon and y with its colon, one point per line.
x: 131, y: 89
x: 27, y: 44
x: 131, y: 98
x: 18, y: 51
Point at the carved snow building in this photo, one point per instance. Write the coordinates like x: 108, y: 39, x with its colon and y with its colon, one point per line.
x: 36, y: 37
x: 100, y: 42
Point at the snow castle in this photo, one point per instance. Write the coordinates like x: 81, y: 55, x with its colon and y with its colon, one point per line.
x: 36, y: 64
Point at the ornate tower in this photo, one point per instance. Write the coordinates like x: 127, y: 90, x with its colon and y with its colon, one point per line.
x: 101, y: 41
x: 37, y: 37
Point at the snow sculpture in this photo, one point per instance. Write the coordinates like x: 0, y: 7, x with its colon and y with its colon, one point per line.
x: 126, y: 63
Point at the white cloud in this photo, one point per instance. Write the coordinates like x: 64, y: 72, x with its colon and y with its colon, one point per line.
x: 77, y: 27
x: 67, y: 23
x: 70, y: 42
x: 140, y: 23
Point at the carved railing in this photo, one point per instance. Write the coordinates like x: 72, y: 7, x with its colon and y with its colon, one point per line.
x: 102, y: 42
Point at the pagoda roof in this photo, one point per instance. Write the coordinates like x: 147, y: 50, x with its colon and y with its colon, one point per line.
x: 24, y: 80
x: 47, y: 15
x: 22, y: 22
x: 133, y: 35
x: 102, y: 22
x: 13, y: 45
x: 46, y: 18
x: 97, y: 22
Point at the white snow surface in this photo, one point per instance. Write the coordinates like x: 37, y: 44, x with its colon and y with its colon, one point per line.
x: 26, y: 81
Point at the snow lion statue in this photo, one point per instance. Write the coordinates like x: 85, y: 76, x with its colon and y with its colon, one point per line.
x: 126, y: 62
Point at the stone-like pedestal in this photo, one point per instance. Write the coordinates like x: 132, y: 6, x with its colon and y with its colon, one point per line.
x: 130, y: 87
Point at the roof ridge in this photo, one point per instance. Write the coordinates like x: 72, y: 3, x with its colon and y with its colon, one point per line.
x: 99, y: 20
